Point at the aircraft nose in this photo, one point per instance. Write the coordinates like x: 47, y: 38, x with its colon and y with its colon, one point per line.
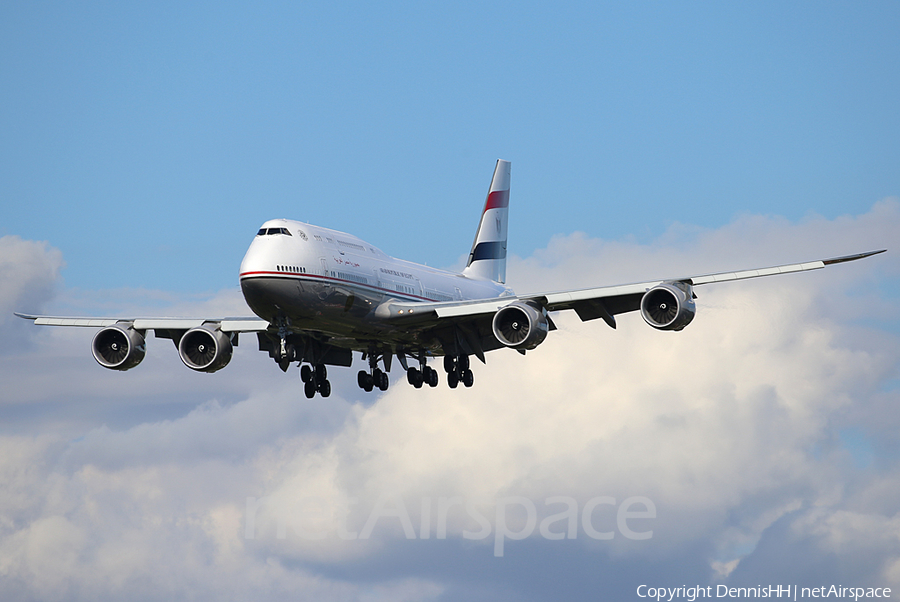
x: 255, y: 259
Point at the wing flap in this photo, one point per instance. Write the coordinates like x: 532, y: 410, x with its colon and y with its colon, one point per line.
x: 244, y: 325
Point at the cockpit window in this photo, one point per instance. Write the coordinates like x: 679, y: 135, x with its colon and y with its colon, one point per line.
x: 270, y: 231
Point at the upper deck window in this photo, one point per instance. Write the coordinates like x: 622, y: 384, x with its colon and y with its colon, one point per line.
x: 269, y: 231
x: 352, y: 245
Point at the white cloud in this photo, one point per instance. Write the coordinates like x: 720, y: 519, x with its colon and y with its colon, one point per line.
x: 29, y: 271
x: 731, y: 428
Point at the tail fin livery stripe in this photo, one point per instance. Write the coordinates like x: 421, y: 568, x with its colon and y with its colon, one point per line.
x: 487, y: 259
x: 498, y: 199
x: 489, y: 250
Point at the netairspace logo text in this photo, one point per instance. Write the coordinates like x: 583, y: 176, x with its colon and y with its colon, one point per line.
x: 789, y: 592
x: 313, y: 518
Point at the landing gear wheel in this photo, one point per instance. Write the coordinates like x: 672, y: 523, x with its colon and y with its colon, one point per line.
x: 321, y: 373
x: 305, y: 373
x: 429, y: 375
x: 449, y: 364
x: 309, y: 389
x: 382, y: 380
x: 452, y: 379
x: 362, y: 377
x: 415, y: 378
x: 325, y: 389
x: 468, y: 379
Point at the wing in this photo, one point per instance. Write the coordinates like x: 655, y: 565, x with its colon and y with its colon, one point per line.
x: 605, y: 302
x: 160, y: 325
x: 472, y: 322
x: 205, y: 345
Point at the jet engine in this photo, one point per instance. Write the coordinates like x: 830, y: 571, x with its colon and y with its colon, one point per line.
x: 668, y: 306
x: 205, y: 349
x: 118, y: 347
x: 521, y: 325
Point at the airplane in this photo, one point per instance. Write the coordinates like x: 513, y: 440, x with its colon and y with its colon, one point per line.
x: 320, y: 295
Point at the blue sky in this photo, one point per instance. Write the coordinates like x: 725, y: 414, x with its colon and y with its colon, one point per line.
x: 142, y: 145
x: 161, y: 135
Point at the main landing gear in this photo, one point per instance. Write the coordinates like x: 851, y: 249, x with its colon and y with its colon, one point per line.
x: 374, y: 377
x: 419, y: 376
x: 315, y: 379
x: 368, y: 381
x: 457, y: 368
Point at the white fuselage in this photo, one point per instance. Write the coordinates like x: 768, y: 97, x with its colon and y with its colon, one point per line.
x: 312, y: 278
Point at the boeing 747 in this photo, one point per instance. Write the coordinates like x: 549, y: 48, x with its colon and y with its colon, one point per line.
x: 319, y: 295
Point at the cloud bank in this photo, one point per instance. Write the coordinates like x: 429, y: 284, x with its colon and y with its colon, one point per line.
x: 757, y: 446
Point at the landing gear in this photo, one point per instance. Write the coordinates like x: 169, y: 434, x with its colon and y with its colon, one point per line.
x: 375, y: 378
x: 419, y: 376
x: 315, y: 379
x: 381, y: 379
x: 422, y: 375
x: 457, y: 368
x: 365, y: 381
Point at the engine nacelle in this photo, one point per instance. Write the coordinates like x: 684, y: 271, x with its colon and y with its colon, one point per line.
x: 205, y: 349
x: 668, y: 306
x: 118, y: 347
x: 521, y: 325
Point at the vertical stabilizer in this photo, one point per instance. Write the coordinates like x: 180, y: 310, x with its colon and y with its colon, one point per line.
x: 487, y: 259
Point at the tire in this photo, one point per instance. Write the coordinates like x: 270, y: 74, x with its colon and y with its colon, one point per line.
x: 468, y: 378
x: 449, y: 364
x: 325, y: 389
x: 305, y: 373
x: 452, y: 380
x: 362, y: 378
x: 432, y: 378
x: 309, y: 389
